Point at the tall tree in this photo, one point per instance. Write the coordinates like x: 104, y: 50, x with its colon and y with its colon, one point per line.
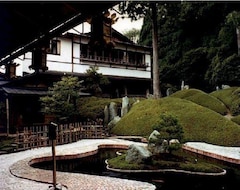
x: 234, y: 18
x: 136, y: 10
x: 133, y: 34
x: 95, y: 81
x: 61, y: 101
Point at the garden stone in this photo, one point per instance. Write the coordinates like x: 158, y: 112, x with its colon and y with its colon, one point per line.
x: 106, y: 115
x: 153, y: 137
x: 112, y: 110
x: 138, y: 154
x: 125, y: 104
x: 113, y: 122
x: 169, y: 91
x: 174, y: 141
x: 157, y: 149
x: 224, y: 86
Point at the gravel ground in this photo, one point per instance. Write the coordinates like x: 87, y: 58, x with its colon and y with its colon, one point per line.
x: 85, y: 182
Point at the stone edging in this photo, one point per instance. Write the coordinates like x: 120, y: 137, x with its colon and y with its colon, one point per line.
x: 212, y: 155
x: 22, y: 169
x: 166, y: 170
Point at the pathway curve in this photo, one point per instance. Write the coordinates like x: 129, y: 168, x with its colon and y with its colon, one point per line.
x: 15, y: 170
x: 228, y: 154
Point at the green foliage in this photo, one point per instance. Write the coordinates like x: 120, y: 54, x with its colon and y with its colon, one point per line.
x: 95, y: 81
x: 197, y: 42
x: 166, y: 162
x: 234, y: 18
x: 132, y: 34
x: 192, y: 66
x: 62, y: 97
x: 5, y: 144
x: 168, y: 127
x: 134, y: 9
x: 226, y: 71
x: 92, y: 108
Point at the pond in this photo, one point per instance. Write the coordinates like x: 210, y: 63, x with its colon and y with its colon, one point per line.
x: 95, y: 165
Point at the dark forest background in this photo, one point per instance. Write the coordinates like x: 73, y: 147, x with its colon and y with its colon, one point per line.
x: 197, y: 43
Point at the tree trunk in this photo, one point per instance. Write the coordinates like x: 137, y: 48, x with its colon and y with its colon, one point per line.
x: 238, y: 39
x: 155, y: 66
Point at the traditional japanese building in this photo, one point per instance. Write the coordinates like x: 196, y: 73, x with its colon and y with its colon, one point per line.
x: 126, y: 64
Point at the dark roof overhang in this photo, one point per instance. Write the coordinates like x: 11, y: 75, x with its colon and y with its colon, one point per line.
x: 25, y: 25
x: 22, y: 91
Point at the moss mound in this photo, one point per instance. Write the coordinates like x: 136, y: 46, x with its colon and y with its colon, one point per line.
x: 199, y: 123
x: 227, y: 96
x: 166, y: 161
x: 203, y: 99
x: 230, y: 97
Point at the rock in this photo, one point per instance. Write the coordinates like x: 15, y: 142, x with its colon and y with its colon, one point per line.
x: 106, y: 115
x: 112, y: 110
x: 113, y: 122
x: 174, y: 141
x: 125, y: 106
x: 157, y: 149
x: 138, y: 154
x: 153, y: 137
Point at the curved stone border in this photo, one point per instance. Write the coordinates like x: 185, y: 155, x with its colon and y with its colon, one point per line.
x: 22, y: 169
x: 166, y: 170
x: 204, y: 150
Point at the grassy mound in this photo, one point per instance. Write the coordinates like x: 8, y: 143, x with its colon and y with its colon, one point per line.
x: 199, y: 123
x: 226, y: 95
x: 230, y: 97
x: 203, y: 99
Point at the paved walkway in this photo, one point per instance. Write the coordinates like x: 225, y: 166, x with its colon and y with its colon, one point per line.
x: 15, y: 170
x: 16, y: 173
x: 228, y: 154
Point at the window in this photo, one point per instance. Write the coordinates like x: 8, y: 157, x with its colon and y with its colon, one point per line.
x: 84, y: 50
x: 55, y: 47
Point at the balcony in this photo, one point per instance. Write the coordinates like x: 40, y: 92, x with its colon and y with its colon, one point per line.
x: 114, y: 62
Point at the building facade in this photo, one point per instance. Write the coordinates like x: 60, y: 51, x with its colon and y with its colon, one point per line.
x: 126, y: 64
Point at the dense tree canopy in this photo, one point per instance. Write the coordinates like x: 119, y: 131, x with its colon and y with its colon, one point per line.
x: 61, y: 101
x: 198, y: 43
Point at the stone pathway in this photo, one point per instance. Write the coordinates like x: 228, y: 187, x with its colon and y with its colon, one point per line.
x: 16, y: 172
x: 229, y: 154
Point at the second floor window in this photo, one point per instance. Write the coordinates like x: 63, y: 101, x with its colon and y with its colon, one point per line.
x: 55, y: 47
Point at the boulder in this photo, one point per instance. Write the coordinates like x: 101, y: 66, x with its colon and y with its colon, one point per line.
x: 138, y: 154
x: 153, y: 137
x: 174, y: 141
x: 125, y: 106
x: 113, y: 122
x: 112, y: 110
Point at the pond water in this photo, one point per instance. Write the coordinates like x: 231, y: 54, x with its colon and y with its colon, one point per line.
x: 95, y: 165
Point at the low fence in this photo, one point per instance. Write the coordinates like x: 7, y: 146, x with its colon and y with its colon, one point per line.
x: 37, y: 135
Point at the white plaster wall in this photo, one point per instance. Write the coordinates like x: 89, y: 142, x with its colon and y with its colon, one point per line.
x: 63, y: 63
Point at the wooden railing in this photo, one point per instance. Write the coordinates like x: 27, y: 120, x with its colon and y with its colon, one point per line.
x: 113, y: 61
x: 37, y: 135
